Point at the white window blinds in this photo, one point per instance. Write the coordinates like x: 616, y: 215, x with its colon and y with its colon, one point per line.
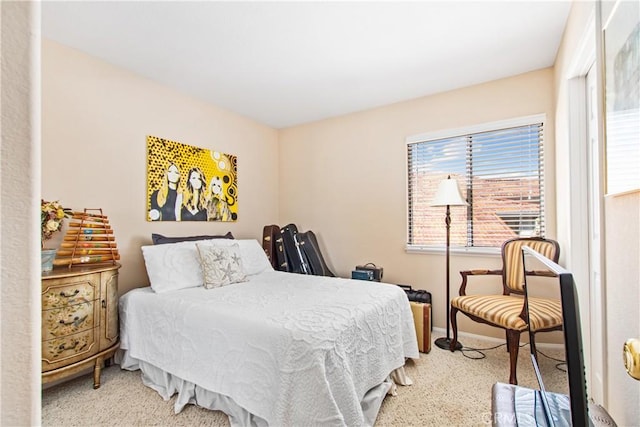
x: 501, y: 175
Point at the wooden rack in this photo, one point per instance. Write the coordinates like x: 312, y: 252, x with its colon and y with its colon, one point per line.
x: 89, y: 240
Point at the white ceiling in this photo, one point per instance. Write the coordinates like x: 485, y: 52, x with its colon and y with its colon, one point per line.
x: 287, y: 63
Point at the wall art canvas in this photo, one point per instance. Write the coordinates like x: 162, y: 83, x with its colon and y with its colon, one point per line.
x: 187, y: 183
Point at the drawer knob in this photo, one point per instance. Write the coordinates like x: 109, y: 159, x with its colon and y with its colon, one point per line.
x: 62, y: 294
x: 76, y: 321
x: 63, y: 347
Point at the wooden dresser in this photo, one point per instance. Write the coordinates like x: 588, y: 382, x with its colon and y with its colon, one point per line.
x: 79, y: 320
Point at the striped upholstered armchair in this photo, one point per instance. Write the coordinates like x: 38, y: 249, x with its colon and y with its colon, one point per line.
x: 506, y: 311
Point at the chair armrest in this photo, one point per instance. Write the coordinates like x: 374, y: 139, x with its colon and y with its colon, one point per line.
x: 543, y: 273
x: 466, y: 273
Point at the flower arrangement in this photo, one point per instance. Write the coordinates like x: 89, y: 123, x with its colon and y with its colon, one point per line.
x: 52, y: 214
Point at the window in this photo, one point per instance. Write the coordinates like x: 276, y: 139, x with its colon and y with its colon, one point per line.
x: 499, y: 168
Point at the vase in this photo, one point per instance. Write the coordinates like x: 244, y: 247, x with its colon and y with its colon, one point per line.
x: 47, y: 257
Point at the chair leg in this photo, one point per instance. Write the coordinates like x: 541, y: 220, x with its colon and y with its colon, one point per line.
x: 454, y: 326
x: 513, y: 340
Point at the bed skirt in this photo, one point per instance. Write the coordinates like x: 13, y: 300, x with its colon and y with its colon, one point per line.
x: 167, y: 385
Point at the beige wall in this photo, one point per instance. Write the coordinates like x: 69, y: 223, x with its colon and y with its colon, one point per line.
x: 19, y: 210
x: 345, y: 179
x: 95, y: 118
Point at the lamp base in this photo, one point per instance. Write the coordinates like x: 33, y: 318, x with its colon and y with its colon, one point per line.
x: 445, y: 344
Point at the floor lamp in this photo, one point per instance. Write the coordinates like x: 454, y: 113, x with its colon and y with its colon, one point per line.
x: 448, y: 195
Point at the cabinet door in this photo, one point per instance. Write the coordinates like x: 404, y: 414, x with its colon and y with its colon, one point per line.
x: 108, y: 309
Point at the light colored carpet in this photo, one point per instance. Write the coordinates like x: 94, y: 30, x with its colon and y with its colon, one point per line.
x: 449, y: 389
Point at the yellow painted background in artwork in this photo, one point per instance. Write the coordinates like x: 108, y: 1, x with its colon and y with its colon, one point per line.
x: 162, y: 152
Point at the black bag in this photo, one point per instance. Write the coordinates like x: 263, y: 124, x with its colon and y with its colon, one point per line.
x: 417, y: 295
x: 421, y: 296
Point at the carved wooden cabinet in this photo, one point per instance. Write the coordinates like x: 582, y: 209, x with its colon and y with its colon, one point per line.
x: 79, y: 320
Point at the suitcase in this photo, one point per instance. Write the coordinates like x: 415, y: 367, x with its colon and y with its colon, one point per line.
x: 296, y: 260
x: 311, y: 249
x: 422, y: 321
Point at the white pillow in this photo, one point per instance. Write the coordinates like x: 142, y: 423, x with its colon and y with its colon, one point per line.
x: 173, y: 266
x: 254, y: 260
x: 221, y: 265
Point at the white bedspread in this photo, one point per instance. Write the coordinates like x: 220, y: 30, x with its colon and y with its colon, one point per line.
x: 289, y: 348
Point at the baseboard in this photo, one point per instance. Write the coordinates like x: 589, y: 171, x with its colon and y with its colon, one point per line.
x: 441, y: 332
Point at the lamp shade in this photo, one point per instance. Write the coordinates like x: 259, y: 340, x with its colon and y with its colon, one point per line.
x: 448, y: 194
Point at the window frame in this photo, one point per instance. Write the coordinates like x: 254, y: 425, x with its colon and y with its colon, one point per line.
x: 456, y: 132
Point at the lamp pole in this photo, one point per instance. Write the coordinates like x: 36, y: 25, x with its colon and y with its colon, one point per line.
x: 448, y: 195
x: 444, y: 343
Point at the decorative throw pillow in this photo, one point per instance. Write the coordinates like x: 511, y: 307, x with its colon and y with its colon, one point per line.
x: 221, y: 265
x: 254, y: 260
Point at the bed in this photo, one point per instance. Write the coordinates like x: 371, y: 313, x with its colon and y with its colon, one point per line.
x: 273, y: 348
